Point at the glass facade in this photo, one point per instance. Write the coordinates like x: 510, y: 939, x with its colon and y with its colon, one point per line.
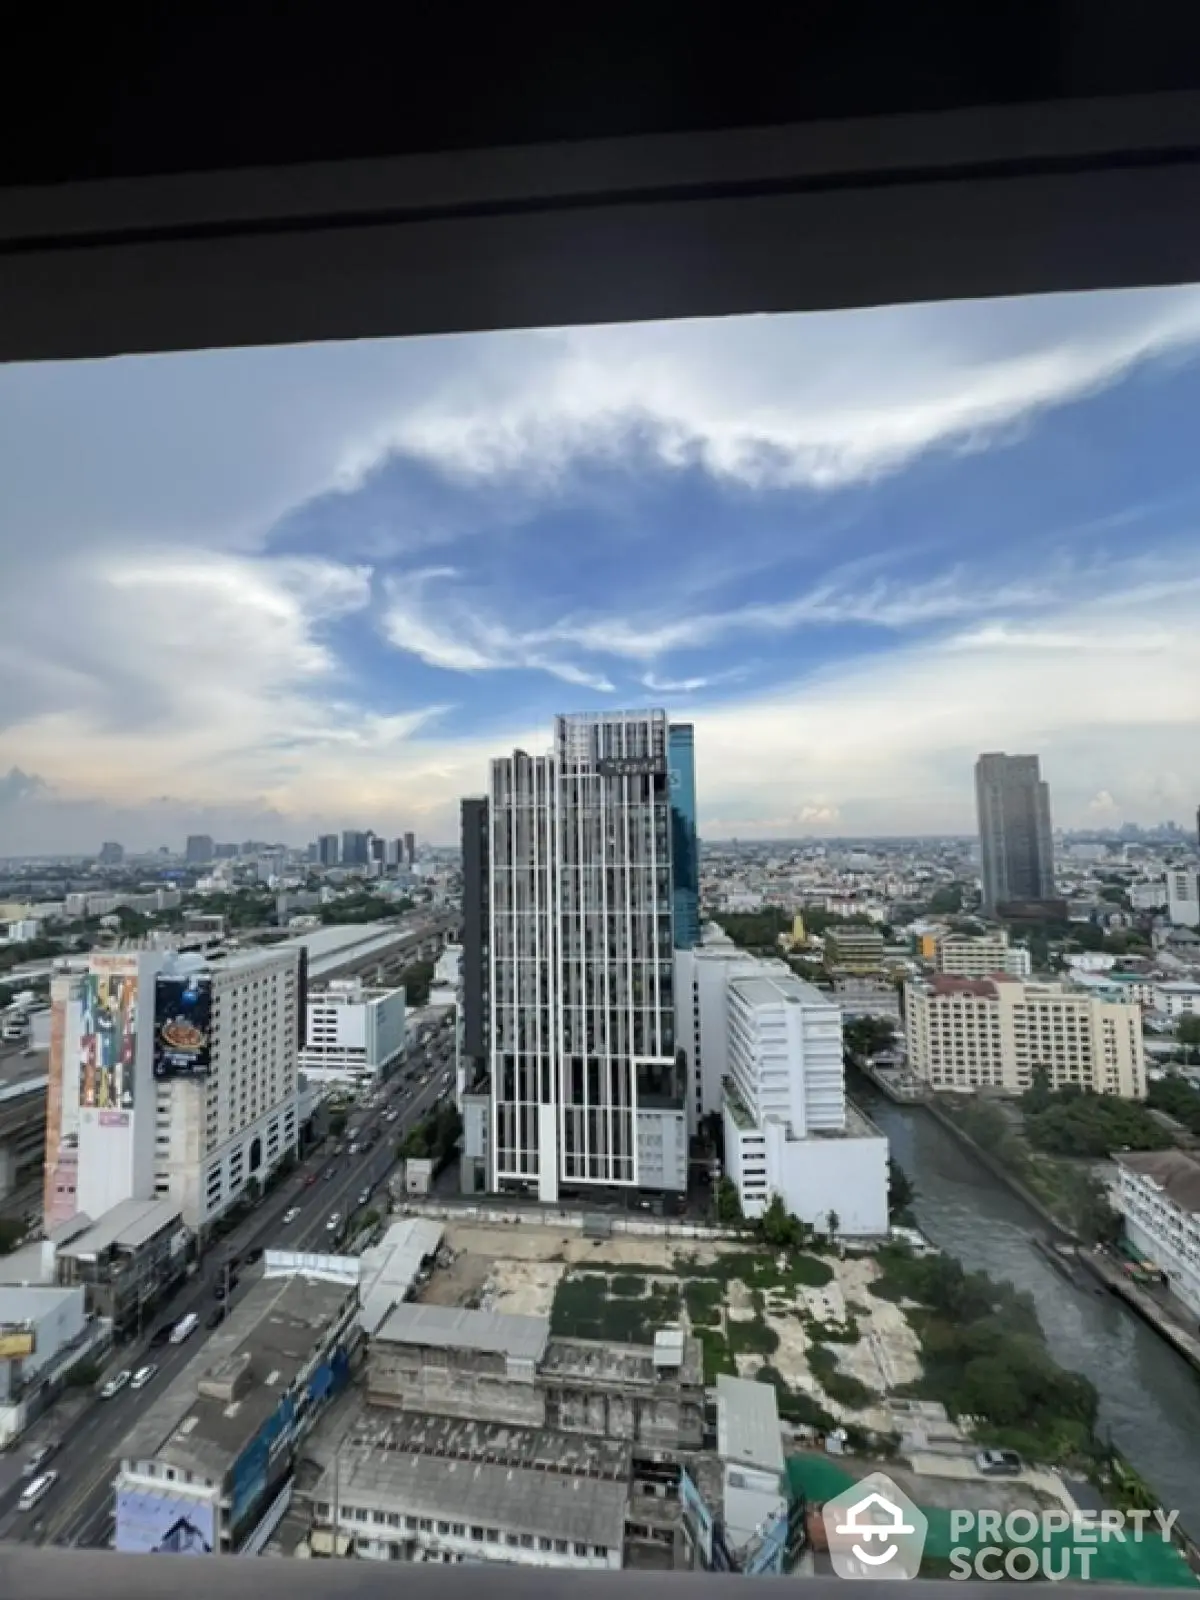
x: 685, y: 844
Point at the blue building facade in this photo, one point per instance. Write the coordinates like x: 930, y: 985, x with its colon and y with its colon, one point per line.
x: 685, y: 843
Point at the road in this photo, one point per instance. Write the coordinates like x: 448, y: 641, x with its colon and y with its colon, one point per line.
x: 79, y: 1508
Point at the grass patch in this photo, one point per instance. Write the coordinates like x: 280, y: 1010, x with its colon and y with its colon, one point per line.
x: 752, y: 1339
x: 588, y: 1305
x: 703, y: 1298
x: 838, y: 1385
x: 627, y: 1286
x: 831, y: 1332
x: 794, y: 1405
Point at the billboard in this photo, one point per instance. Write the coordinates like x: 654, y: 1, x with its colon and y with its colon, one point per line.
x: 182, y: 1026
x: 150, y: 1522
x: 630, y: 766
x: 16, y: 1343
x: 108, y: 1040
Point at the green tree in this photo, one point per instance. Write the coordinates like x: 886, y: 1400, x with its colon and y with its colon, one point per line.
x: 946, y: 901
x: 337, y: 1124
x: 869, y: 1036
x: 901, y: 1193
x: 832, y: 1223
x: 1188, y: 1030
x: 1039, y: 1096
x: 728, y: 1206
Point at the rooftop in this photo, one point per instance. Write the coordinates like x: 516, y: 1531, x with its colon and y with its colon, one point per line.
x: 390, y: 1268
x: 748, y: 1424
x: 128, y: 1226
x: 1172, y: 1171
x: 453, y: 1328
x: 266, y: 1342
x: 627, y: 1365
x: 330, y: 949
x: 29, y: 1304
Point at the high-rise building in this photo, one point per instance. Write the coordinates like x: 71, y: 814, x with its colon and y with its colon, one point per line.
x: 199, y: 850
x: 1183, y: 897
x: 393, y: 855
x: 111, y: 854
x: 410, y: 848
x: 355, y: 848
x: 1015, y: 841
x: 585, y: 1084
x: 376, y: 847
x: 328, y: 853
x: 685, y: 843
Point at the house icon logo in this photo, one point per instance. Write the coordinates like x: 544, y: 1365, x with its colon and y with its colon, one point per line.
x: 874, y: 1530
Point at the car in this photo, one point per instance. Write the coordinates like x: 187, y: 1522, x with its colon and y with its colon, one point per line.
x: 290, y: 1215
x: 364, y: 1197
x: 38, y: 1458
x: 329, y: 1174
x: 309, y: 1180
x: 334, y: 1223
x: 215, y: 1318
x: 115, y: 1384
x: 142, y: 1376
x: 999, y: 1463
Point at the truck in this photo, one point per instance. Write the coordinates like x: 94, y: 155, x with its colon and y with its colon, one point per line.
x: 184, y: 1328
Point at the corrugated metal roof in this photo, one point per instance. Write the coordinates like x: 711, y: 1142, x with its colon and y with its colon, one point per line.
x: 130, y: 1225
x: 453, y: 1328
x: 390, y: 1268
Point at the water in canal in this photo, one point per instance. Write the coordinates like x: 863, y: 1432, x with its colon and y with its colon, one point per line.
x: 1149, y: 1396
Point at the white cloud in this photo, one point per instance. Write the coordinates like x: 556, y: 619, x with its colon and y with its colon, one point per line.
x: 817, y: 400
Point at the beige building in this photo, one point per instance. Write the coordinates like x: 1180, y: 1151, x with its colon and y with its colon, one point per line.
x: 993, y: 1033
x: 979, y: 956
x: 852, y: 947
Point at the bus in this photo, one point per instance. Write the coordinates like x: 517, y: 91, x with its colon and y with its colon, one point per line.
x: 184, y: 1328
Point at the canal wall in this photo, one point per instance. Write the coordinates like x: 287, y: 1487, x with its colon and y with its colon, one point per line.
x: 1145, y: 1305
x: 997, y: 1168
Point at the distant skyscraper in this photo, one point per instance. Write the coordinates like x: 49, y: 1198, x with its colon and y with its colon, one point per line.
x: 376, y: 847
x: 199, y: 850
x: 111, y: 854
x: 685, y: 844
x: 585, y: 1084
x: 1015, y: 841
x: 355, y: 848
x: 328, y: 853
x: 410, y: 848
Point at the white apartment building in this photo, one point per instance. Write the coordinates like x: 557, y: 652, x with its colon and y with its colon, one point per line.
x: 1175, y: 1000
x: 978, y: 956
x: 788, y: 1128
x: 965, y: 1034
x: 1158, y: 1195
x: 354, y: 1034
x: 702, y: 977
x: 170, y: 1077
x: 1148, y: 896
x: 1183, y: 897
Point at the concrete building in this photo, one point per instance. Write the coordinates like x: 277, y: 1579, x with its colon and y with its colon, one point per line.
x: 1158, y: 1195
x: 497, y: 1367
x: 965, y: 956
x: 328, y: 850
x: 111, y: 854
x: 702, y: 978
x: 126, y: 1261
x: 170, y: 1077
x: 1177, y: 999
x: 415, y: 1487
x: 1183, y: 897
x: 1015, y: 839
x: 212, y: 1452
x: 199, y: 850
x: 992, y: 1033
x: 45, y: 1330
x: 853, y: 947
x: 354, y: 1034
x: 754, y: 1496
x: 582, y: 1052
x: 356, y: 848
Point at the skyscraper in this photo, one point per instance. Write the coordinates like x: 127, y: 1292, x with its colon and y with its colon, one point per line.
x: 1016, y: 846
x: 410, y: 847
x: 685, y: 845
x: 328, y: 853
x: 199, y: 849
x: 585, y: 1084
x: 355, y: 848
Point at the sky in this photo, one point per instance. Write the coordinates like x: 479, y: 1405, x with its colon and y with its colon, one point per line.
x: 266, y: 593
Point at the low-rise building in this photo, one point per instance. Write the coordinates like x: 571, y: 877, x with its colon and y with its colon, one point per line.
x: 213, y: 1451
x: 1178, y: 999
x: 1183, y: 897
x: 979, y: 955
x: 852, y: 947
x: 1158, y: 1195
x: 966, y: 1034
x: 354, y: 1034
x: 127, y: 1260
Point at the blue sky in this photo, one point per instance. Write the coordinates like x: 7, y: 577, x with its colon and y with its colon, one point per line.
x: 266, y: 592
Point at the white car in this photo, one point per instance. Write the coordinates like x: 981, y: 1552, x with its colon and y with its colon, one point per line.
x: 290, y: 1215
x: 334, y: 1223
x: 115, y: 1384
x: 142, y: 1376
x: 37, y: 1490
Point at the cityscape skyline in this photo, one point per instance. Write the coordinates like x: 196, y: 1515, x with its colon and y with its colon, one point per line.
x: 865, y: 545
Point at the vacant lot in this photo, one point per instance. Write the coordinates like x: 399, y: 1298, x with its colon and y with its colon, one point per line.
x: 807, y: 1323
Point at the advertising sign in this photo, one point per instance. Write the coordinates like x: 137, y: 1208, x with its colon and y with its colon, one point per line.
x: 182, y: 1026
x: 629, y: 766
x: 153, y: 1523
x: 16, y: 1343
x: 108, y: 1040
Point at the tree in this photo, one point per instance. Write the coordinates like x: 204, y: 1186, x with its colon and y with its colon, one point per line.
x: 337, y: 1124
x: 833, y: 1222
x: 869, y: 1036
x: 901, y: 1193
x: 1039, y: 1096
x: 946, y: 901
x: 11, y: 1234
x: 1188, y: 1030
x: 729, y: 1207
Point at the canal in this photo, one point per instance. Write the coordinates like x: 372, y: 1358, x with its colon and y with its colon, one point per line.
x: 1149, y: 1396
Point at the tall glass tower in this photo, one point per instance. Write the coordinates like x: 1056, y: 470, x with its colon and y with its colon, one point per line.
x: 685, y: 844
x: 1015, y: 841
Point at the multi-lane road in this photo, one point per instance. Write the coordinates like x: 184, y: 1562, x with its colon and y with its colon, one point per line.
x: 79, y: 1508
